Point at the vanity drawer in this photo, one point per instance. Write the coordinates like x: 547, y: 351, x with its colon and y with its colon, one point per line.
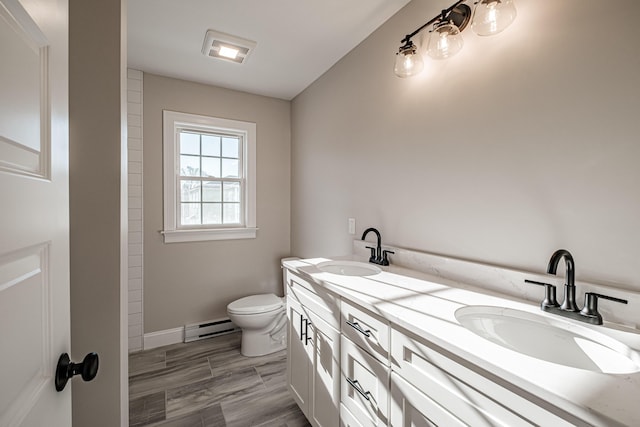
x: 313, y: 297
x: 347, y: 419
x: 454, y: 387
x: 368, y: 330
x: 364, y: 386
x: 410, y: 407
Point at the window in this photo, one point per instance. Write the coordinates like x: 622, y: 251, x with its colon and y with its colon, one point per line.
x: 209, y: 178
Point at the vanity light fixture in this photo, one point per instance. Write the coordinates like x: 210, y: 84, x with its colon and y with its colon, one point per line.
x: 445, y: 39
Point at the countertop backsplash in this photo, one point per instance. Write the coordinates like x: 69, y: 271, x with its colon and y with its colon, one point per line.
x: 509, y: 281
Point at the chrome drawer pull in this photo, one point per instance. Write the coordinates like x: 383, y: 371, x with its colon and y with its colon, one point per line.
x: 357, y: 327
x: 356, y: 385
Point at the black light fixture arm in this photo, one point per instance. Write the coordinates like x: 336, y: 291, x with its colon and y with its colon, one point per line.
x: 443, y: 15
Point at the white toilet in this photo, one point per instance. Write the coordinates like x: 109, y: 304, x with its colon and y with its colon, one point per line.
x: 263, y: 321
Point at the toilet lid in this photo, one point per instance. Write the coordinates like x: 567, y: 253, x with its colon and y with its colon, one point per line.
x: 256, y: 304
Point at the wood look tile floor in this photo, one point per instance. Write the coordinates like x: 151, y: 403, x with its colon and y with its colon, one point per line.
x: 209, y: 383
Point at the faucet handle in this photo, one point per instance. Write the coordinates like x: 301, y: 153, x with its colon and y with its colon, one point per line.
x: 549, y: 294
x: 372, y: 258
x: 385, y: 260
x: 590, y: 308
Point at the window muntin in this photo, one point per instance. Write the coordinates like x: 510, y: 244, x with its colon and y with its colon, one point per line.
x: 210, y: 179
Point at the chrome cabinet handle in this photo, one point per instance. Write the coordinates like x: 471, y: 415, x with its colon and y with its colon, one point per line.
x: 357, y: 327
x: 356, y: 385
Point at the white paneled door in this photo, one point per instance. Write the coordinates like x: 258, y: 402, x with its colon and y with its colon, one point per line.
x: 34, y: 218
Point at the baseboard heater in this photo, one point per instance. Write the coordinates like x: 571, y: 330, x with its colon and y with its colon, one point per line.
x: 212, y: 328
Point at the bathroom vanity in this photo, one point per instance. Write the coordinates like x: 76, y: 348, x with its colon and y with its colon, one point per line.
x: 398, y: 346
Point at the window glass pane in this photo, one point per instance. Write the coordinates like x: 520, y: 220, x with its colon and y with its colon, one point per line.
x: 211, y: 145
x: 230, y: 147
x: 231, y: 191
x: 190, y: 213
x: 211, y: 167
x: 212, y: 213
x: 189, y: 191
x: 189, y: 143
x: 212, y: 191
x: 232, y: 213
x: 230, y: 168
x: 189, y: 165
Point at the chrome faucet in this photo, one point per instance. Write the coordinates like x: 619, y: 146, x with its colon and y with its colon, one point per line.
x: 378, y: 256
x: 569, y: 308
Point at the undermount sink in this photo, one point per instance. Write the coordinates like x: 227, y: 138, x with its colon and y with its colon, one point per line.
x: 348, y: 268
x: 553, y: 340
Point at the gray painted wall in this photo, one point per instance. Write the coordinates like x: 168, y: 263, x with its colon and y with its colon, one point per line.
x: 193, y: 282
x: 524, y: 143
x: 96, y: 64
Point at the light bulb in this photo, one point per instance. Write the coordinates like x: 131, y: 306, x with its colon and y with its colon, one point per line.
x: 408, y: 61
x: 445, y: 41
x: 493, y: 16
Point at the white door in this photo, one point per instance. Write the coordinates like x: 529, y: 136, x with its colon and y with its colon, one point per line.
x: 34, y: 199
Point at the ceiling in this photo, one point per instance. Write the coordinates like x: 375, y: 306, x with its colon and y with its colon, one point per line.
x: 297, y: 40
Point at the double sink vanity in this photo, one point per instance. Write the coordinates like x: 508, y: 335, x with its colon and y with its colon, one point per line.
x: 422, y: 342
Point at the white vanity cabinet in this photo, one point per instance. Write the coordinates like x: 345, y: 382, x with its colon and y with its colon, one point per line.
x: 429, y: 388
x: 364, y: 364
x: 313, y: 351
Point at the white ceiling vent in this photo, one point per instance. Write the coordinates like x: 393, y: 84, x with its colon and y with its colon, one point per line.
x: 225, y: 46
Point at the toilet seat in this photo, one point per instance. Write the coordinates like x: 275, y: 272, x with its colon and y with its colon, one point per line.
x: 255, y: 304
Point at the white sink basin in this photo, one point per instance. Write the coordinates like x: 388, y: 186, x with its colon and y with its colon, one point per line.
x: 348, y: 268
x: 552, y: 340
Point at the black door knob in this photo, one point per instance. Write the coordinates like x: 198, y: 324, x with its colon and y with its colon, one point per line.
x: 66, y: 369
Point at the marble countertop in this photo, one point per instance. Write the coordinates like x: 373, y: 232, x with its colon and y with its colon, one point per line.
x: 425, y: 305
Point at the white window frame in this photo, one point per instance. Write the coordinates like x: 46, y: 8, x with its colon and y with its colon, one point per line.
x: 173, y: 122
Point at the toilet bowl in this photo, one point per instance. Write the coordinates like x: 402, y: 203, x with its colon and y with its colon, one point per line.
x: 263, y: 320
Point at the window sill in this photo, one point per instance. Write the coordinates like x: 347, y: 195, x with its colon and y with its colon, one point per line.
x: 177, y: 236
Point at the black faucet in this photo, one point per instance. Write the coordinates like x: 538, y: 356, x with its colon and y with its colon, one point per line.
x: 378, y: 256
x: 569, y: 308
x: 569, y: 303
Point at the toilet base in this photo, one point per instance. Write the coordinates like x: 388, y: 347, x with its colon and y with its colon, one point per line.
x: 255, y: 344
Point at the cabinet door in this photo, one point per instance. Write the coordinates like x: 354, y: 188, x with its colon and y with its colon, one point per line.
x: 364, y: 385
x: 299, y: 355
x: 412, y: 408
x: 325, y: 373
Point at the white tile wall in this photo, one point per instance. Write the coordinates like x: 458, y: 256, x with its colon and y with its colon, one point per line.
x: 134, y: 151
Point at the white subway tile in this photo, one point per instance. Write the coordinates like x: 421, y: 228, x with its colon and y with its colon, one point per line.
x: 135, y: 156
x: 134, y: 144
x: 135, y: 272
x: 135, y: 307
x: 135, y: 237
x: 134, y: 108
x: 135, y: 319
x: 134, y: 96
x: 134, y: 74
x: 135, y: 284
x: 134, y: 85
x: 135, y: 295
x: 134, y: 167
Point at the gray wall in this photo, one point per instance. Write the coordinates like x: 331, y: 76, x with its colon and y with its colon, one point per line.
x: 524, y: 143
x: 96, y: 64
x: 194, y: 282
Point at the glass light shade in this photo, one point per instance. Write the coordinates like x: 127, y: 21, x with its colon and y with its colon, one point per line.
x: 493, y: 16
x: 408, y: 62
x: 445, y: 41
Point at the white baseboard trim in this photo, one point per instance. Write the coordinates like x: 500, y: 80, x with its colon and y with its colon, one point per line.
x: 162, y: 338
